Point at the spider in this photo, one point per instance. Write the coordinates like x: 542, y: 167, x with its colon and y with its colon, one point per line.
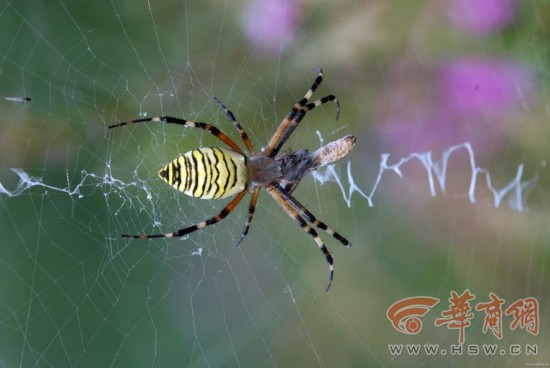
x: 215, y: 173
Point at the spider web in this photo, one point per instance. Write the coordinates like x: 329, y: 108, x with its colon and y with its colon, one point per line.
x: 446, y: 189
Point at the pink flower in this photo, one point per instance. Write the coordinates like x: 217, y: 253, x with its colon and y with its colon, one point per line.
x: 477, y: 87
x: 481, y: 16
x: 270, y: 25
x: 471, y: 100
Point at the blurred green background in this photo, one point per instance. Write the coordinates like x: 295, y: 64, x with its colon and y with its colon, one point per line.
x: 411, y: 76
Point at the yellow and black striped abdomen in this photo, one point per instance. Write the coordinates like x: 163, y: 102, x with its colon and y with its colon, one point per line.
x: 207, y: 173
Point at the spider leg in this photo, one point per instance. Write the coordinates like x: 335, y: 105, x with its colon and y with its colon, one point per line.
x: 238, y: 126
x: 271, y: 149
x: 293, y: 124
x: 330, y: 98
x: 211, y: 221
x: 290, y: 211
x: 289, y: 187
x: 251, y: 209
x: 295, y: 116
x: 310, y: 217
x: 187, y: 123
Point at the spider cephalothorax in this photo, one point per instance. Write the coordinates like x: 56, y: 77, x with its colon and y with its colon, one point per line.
x: 214, y: 172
